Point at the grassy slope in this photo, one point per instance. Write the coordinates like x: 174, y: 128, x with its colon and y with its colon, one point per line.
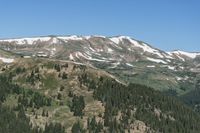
x: 159, y: 78
x: 49, y: 85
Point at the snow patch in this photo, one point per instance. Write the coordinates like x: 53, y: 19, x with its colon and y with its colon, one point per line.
x: 71, y: 57
x: 6, y: 60
x: 168, y: 55
x: 89, y: 57
x: 99, y: 36
x: 73, y: 37
x: 54, y: 41
x: 151, y: 66
x: 156, y: 60
x: 179, y: 78
x: 115, y: 40
x: 181, y: 67
x: 93, y: 50
x: 110, y: 50
x: 168, y: 60
x: 115, y: 64
x: 53, y: 49
x: 128, y: 64
x: 26, y: 57
x: 87, y: 37
x: 171, y: 67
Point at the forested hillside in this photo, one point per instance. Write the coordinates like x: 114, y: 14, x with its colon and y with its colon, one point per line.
x: 126, y: 104
x: 40, y: 96
x: 14, y: 120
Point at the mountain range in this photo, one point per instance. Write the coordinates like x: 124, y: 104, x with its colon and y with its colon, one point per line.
x: 128, y: 59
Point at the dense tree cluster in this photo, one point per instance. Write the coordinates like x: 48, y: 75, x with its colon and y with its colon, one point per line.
x: 30, y: 98
x: 94, y: 126
x: 193, y: 97
x: 77, y: 128
x: 160, y: 112
x: 64, y: 75
x: 54, y: 128
x: 34, y: 77
x: 78, y: 105
x: 57, y: 67
x: 11, y: 123
x: 6, y: 88
x: 20, y: 70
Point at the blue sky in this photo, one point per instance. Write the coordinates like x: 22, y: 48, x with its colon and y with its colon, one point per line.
x: 165, y: 24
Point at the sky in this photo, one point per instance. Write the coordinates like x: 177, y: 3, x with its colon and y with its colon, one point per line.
x: 165, y: 24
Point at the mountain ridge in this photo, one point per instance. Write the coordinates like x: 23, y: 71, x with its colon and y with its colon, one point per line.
x: 74, y: 37
x: 87, y: 36
x: 129, y: 59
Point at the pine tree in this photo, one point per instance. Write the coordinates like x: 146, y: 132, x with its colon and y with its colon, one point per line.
x: 76, y: 128
x: 43, y: 112
x: 64, y: 75
x: 47, y: 114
